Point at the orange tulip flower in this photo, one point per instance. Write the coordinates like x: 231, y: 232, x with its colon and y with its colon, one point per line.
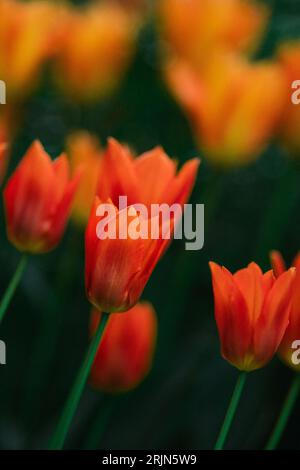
x: 29, y: 33
x: 125, y: 354
x: 287, y: 346
x: 118, y: 268
x: 148, y: 179
x: 85, y: 153
x: 194, y: 29
x: 96, y: 51
x: 37, y: 200
x: 289, y: 59
x: 252, y: 312
x: 224, y: 102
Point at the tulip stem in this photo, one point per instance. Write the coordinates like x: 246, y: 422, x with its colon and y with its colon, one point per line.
x: 231, y: 410
x: 72, y: 402
x: 12, y: 286
x: 286, y: 410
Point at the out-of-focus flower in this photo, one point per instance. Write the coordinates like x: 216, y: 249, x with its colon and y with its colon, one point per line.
x: 37, y: 200
x: 136, y: 6
x: 126, y: 351
x: 234, y: 106
x: 97, y: 48
x: 148, y: 179
x: 3, y: 149
x: 118, y: 268
x: 289, y: 58
x: 292, y: 333
x: 252, y: 312
x: 85, y: 153
x: 195, y: 29
x: 29, y: 34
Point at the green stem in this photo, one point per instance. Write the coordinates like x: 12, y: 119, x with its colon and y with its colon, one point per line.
x: 72, y: 402
x: 286, y: 410
x: 231, y: 410
x: 12, y: 286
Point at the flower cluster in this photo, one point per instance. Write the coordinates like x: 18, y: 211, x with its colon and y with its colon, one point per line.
x: 235, y: 104
x: 88, y: 49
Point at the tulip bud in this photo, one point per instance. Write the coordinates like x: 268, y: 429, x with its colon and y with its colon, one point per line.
x: 252, y: 312
x: 37, y: 200
x: 118, y: 267
x: 125, y: 354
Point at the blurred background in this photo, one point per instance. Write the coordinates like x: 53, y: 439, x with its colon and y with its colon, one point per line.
x: 220, y: 93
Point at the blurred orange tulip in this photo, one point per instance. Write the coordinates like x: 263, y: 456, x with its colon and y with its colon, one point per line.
x: 292, y: 334
x: 97, y: 48
x: 195, y: 29
x: 85, y: 153
x: 3, y: 150
x: 148, y: 179
x: 234, y: 106
x: 37, y: 200
x: 252, y: 312
x: 137, y: 6
x: 289, y: 58
x: 126, y: 351
x: 29, y: 33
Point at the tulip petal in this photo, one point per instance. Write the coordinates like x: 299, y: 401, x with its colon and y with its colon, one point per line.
x: 273, y: 321
x: 277, y: 262
x: 119, y: 177
x: 250, y: 283
x: 182, y: 187
x: 232, y: 316
x: 112, y: 266
x: 155, y: 170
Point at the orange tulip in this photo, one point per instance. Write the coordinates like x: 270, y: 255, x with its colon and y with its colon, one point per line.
x: 224, y: 102
x: 29, y: 32
x: 85, y: 153
x: 96, y: 51
x: 37, y: 200
x: 289, y: 59
x: 252, y: 312
x: 125, y: 353
x: 194, y: 29
x: 118, y: 268
x: 148, y: 179
x: 292, y: 333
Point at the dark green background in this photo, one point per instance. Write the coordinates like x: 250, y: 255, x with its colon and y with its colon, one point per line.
x: 182, y: 403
